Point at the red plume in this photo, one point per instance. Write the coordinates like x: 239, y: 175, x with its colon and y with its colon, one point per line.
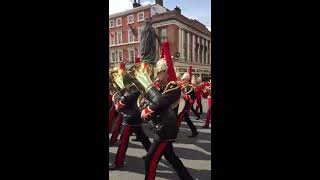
x: 122, y: 66
x: 166, y: 54
x: 137, y: 58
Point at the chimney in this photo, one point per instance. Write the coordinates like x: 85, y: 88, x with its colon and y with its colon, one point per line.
x: 160, y: 2
x: 135, y: 4
x: 177, y: 9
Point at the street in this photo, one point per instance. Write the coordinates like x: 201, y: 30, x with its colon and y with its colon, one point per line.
x: 195, y: 153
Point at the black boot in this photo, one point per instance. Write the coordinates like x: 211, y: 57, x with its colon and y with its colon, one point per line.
x: 194, y: 134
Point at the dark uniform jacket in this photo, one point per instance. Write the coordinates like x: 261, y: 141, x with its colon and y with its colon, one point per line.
x: 164, y: 101
x: 129, y: 108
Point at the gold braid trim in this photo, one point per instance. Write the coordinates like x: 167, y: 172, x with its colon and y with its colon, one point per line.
x: 114, y: 95
x: 168, y: 88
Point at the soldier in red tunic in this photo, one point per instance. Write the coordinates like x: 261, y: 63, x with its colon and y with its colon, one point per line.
x: 189, y: 96
x: 199, y: 92
x: 207, y: 92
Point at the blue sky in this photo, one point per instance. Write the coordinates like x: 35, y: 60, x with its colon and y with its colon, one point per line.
x: 194, y: 9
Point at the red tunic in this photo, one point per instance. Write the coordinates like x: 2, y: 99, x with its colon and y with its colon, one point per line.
x: 199, y: 91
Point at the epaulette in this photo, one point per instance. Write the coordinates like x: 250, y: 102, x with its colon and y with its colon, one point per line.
x: 172, y: 85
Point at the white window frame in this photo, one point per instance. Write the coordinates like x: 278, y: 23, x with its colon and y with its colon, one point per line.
x: 142, y: 12
x: 128, y: 17
x: 139, y: 34
x: 129, y: 54
x: 118, y: 25
x: 166, y: 29
x: 112, y: 20
x: 120, y: 51
x: 129, y: 30
x: 117, y: 42
x: 115, y: 60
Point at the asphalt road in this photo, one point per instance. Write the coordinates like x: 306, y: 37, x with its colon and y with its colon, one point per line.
x: 195, y: 153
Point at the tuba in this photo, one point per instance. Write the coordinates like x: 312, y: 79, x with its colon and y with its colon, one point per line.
x: 116, y: 76
x: 142, y: 74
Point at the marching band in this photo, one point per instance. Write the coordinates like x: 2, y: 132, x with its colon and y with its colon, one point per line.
x: 150, y: 96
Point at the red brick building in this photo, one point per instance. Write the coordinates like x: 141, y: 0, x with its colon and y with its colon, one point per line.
x: 124, y: 40
x: 190, y: 41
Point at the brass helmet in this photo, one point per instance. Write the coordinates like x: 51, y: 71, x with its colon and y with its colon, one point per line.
x: 161, y: 65
x: 116, y: 75
x: 199, y: 79
x: 185, y: 76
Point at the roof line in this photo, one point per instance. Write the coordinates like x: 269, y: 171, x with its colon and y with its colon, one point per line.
x: 129, y: 11
x: 176, y: 16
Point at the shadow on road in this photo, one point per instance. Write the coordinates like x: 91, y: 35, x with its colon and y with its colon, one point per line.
x: 203, y: 141
x: 135, y: 164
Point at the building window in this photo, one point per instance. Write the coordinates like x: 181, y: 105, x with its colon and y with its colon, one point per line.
x: 201, y: 50
x: 185, y: 45
x: 130, y: 36
x: 200, y: 55
x: 131, y: 55
x: 119, y: 37
x: 209, y: 53
x: 140, y: 32
x: 140, y: 16
x: 137, y: 52
x: 112, y: 38
x: 205, y: 54
x: 182, y: 70
x: 190, y: 47
x: 196, y: 49
x: 113, y: 56
x: 111, y: 23
x: 120, y: 56
x: 163, y: 34
x: 119, y: 22
x: 130, y: 19
x: 190, y: 54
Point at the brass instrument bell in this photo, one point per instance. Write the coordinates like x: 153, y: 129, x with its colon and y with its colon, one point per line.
x: 116, y: 76
x: 142, y: 72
